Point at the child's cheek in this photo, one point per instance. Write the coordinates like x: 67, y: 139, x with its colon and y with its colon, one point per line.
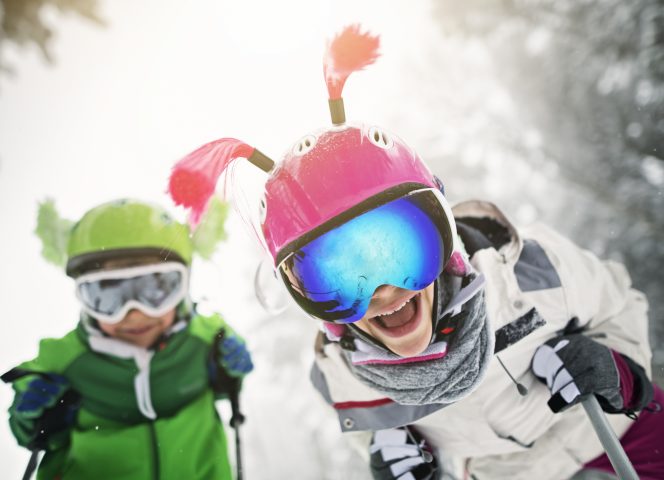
x: 109, y: 329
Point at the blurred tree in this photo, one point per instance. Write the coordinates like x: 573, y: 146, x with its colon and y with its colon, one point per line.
x: 21, y: 23
x: 588, y: 77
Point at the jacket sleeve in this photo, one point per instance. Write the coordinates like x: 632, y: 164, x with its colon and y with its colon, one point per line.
x: 207, y: 328
x: 54, y: 357
x: 600, y: 294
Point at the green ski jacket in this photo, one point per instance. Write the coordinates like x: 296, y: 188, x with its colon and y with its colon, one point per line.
x: 145, y: 413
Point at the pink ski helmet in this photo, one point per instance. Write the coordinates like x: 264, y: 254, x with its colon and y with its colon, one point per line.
x: 332, y: 173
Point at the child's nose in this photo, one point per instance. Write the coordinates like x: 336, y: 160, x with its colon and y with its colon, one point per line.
x: 384, y: 291
x: 135, y: 313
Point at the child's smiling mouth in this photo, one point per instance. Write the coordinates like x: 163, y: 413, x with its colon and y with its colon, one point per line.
x: 138, y: 330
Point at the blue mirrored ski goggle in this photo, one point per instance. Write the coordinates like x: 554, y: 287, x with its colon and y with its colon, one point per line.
x: 405, y: 243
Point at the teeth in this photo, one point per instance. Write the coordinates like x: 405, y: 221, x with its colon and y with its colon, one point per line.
x: 396, y: 309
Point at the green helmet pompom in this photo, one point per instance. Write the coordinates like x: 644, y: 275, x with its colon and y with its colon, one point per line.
x: 54, y: 232
x: 211, y: 230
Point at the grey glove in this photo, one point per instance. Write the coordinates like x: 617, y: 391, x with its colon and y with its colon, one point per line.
x: 573, y: 366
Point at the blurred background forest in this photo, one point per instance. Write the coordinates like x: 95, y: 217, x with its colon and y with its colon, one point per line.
x: 586, y: 79
x: 554, y: 110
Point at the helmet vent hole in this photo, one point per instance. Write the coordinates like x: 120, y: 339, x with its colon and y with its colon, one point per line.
x: 304, y: 145
x: 379, y: 138
x: 262, y: 209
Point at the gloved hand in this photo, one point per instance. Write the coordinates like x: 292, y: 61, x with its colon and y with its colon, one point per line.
x: 573, y: 366
x: 401, y: 453
x: 42, y: 415
x: 231, y: 354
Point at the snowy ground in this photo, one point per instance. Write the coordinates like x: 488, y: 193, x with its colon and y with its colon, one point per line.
x: 124, y: 102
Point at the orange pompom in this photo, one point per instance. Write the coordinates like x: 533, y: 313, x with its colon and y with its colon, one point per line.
x: 349, y: 51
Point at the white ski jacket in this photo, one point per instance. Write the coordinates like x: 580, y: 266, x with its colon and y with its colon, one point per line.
x: 535, y: 284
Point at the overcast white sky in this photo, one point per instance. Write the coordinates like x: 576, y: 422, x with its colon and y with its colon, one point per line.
x: 124, y: 102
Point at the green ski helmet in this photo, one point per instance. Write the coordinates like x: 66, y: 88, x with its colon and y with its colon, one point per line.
x: 126, y: 228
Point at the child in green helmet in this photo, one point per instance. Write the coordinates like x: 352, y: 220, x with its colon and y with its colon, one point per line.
x: 130, y: 392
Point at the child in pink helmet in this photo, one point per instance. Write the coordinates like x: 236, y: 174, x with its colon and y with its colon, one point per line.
x: 452, y: 343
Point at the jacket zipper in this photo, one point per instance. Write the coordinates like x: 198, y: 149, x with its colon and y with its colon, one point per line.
x: 155, y: 451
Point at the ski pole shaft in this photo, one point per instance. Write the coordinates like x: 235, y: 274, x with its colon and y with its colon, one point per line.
x: 610, y: 442
x: 236, y: 420
x: 9, y: 377
x: 225, y: 383
x: 32, y: 465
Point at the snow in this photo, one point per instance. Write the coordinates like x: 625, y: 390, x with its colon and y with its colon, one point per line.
x: 653, y: 170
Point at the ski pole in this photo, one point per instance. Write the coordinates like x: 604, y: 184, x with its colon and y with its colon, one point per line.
x: 32, y: 464
x: 8, y: 377
x: 617, y: 456
x: 70, y: 398
x: 225, y: 383
x: 237, y: 419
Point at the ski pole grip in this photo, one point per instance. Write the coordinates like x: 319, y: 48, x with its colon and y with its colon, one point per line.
x: 237, y: 418
x: 224, y: 383
x: 617, y: 456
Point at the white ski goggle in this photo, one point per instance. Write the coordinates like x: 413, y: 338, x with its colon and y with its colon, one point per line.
x: 108, y: 295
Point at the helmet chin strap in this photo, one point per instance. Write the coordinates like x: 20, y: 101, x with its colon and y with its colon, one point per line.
x: 364, y: 336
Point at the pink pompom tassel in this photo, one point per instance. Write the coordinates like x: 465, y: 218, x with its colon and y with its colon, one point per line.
x: 194, y: 178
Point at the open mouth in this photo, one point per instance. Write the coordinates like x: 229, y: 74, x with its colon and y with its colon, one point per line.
x: 401, y: 320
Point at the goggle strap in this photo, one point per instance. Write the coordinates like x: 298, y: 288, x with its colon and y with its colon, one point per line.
x: 131, y: 272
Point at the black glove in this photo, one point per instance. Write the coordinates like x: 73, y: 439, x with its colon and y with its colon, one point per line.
x: 401, y: 453
x: 573, y: 366
x: 42, y: 415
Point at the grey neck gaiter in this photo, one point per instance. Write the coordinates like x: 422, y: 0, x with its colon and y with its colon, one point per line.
x: 443, y: 380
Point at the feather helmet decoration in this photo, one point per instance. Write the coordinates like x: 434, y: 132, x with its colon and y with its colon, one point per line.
x: 194, y: 178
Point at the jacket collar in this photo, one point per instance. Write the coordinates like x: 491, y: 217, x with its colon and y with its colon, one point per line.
x: 482, y: 209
